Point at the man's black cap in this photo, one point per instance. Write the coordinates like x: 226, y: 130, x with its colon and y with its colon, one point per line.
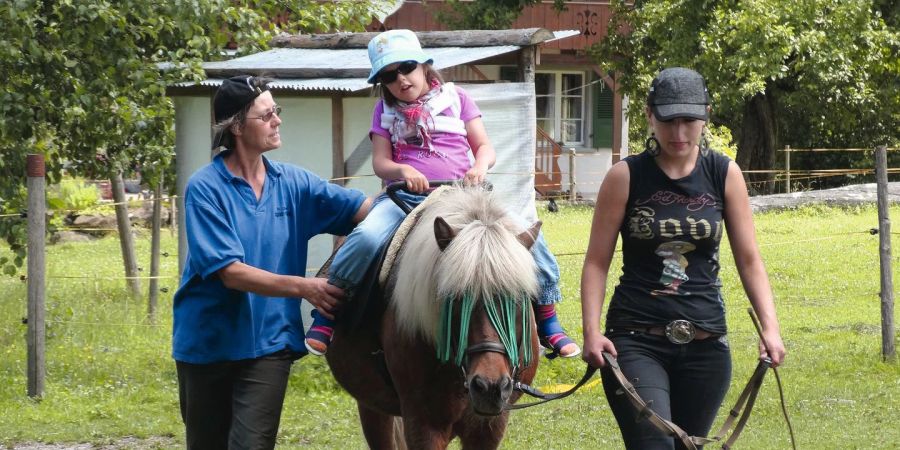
x: 678, y: 92
x: 233, y: 95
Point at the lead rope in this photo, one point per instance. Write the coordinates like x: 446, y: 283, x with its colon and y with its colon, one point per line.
x: 741, y: 411
x: 777, y: 377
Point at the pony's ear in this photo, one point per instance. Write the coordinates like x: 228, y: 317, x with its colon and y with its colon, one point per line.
x: 528, y: 236
x: 443, y: 233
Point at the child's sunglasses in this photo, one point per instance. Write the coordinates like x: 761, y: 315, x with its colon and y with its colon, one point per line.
x: 390, y: 76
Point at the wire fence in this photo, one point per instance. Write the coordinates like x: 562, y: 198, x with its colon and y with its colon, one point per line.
x: 777, y: 180
x: 97, y: 284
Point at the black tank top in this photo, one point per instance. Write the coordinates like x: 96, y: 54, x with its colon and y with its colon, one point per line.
x: 670, y: 246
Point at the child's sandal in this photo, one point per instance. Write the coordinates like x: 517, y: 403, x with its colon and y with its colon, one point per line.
x: 555, y: 340
x: 317, y: 340
x: 557, y: 344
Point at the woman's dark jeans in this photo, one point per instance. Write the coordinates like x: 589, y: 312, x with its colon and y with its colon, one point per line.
x: 686, y: 383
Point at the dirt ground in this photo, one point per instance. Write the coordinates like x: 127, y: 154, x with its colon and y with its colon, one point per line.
x: 127, y: 443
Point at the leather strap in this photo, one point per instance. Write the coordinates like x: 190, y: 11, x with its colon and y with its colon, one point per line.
x: 741, y: 410
x: 544, y: 398
x: 738, y: 415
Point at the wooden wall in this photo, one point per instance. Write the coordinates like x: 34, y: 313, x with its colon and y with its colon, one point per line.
x: 590, y: 18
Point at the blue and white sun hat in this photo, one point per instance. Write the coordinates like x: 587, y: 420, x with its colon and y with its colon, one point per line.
x: 394, y: 46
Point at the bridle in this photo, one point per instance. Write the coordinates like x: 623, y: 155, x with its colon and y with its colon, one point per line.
x: 518, y: 385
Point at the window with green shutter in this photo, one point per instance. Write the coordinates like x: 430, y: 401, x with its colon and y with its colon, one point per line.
x: 602, y: 120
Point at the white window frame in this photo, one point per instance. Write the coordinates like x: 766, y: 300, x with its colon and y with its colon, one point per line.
x: 557, y: 97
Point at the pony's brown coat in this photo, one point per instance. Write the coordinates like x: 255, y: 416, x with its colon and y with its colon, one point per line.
x: 486, y: 258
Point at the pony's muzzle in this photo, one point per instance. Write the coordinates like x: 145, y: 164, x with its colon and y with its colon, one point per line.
x: 489, y: 396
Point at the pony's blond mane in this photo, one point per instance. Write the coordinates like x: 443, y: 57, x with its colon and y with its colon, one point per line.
x: 485, y: 259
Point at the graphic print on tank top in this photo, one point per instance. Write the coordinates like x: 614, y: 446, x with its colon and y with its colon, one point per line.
x: 674, y: 266
x: 642, y: 221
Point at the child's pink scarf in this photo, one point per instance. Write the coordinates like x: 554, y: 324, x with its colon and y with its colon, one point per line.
x: 419, y: 115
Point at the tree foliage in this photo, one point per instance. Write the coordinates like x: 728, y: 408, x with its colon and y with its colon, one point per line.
x: 82, y: 83
x: 781, y: 72
x: 486, y: 14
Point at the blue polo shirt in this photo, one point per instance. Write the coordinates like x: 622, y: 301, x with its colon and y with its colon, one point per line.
x: 225, y: 223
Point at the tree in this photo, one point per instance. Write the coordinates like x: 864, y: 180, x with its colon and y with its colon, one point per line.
x: 82, y: 83
x: 795, y: 72
x: 485, y: 14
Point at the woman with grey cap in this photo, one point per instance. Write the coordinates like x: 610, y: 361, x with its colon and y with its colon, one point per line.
x: 666, y: 319
x: 237, y: 327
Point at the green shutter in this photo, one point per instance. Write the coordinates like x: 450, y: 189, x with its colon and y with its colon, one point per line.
x: 602, y: 120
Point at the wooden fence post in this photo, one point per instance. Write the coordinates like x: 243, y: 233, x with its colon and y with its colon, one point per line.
x: 787, y: 169
x: 126, y: 240
x: 888, y: 352
x: 154, y: 250
x: 37, y: 229
x: 573, y: 194
x: 173, y: 217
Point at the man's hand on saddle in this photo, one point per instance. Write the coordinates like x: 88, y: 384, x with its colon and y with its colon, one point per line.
x: 325, y: 297
x: 475, y: 176
x: 415, y: 181
x: 594, y: 346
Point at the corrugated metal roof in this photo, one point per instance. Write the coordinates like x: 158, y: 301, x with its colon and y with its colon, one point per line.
x: 297, y: 84
x: 326, y: 69
x: 304, y: 69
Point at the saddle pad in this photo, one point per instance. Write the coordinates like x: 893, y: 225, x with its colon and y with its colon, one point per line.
x: 403, y: 230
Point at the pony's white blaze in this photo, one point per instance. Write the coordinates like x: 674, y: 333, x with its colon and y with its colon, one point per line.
x: 485, y: 258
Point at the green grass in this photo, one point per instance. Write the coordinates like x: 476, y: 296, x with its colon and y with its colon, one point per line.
x: 110, y: 375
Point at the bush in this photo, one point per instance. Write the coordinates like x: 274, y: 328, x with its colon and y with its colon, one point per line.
x: 73, y: 194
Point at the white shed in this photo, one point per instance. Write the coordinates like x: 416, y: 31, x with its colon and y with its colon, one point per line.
x: 320, y: 80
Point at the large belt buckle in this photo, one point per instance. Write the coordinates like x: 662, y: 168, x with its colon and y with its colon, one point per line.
x: 680, y: 331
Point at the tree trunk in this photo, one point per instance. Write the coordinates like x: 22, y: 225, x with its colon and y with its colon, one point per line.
x: 125, y: 238
x: 756, y: 146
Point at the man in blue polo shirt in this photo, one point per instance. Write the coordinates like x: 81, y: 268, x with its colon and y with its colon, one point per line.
x: 237, y: 326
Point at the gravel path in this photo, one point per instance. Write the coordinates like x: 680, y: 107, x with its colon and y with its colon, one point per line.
x: 858, y: 194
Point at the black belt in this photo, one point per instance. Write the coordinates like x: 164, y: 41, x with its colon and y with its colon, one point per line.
x: 677, y: 331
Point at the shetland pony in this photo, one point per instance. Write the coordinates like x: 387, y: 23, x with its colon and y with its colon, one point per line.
x: 453, y: 333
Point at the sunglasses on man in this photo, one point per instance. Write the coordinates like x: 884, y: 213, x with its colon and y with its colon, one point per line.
x: 390, y: 76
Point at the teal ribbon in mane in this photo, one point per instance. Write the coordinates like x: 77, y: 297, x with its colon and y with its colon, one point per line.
x: 502, y: 314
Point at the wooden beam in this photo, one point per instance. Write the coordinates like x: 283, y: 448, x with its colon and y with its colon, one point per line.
x: 337, y: 140
x: 458, y: 38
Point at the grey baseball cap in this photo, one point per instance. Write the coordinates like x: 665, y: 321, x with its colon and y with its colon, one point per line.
x: 678, y: 92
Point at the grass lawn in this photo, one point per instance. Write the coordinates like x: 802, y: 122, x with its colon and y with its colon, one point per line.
x: 110, y: 375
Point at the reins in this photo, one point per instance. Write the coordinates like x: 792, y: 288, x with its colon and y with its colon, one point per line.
x: 544, y: 398
x: 737, y: 417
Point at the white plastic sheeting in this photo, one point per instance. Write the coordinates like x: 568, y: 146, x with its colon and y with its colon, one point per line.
x: 508, y: 112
